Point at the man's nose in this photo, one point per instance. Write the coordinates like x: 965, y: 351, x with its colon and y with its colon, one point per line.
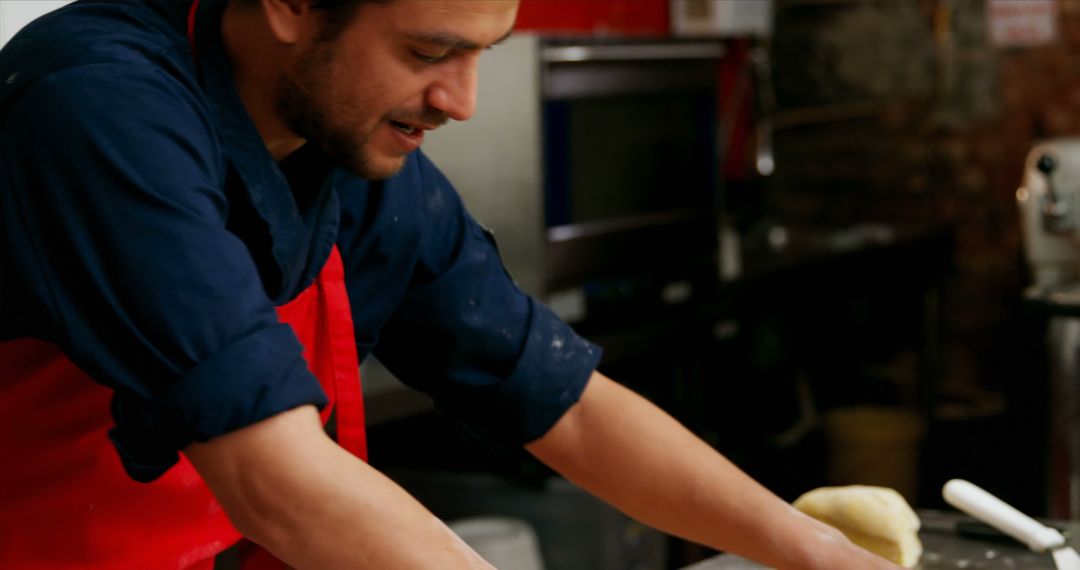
x: 455, y: 92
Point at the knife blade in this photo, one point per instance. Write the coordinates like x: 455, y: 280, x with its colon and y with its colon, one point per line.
x: 984, y: 506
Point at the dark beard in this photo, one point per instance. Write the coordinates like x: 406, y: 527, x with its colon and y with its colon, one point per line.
x: 306, y: 115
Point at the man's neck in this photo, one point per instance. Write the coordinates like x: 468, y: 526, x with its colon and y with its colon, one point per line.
x: 255, y: 56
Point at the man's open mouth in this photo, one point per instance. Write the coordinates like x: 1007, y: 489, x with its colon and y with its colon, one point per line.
x: 403, y: 127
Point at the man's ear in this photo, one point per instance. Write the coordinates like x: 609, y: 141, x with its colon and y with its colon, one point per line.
x: 289, y: 20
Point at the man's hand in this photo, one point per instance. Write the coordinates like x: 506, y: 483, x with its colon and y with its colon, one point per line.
x: 623, y: 449
x: 288, y: 487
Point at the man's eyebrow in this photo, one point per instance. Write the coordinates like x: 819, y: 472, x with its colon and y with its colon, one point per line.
x: 452, y: 40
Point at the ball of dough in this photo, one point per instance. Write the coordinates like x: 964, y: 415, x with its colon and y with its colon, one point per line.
x: 875, y: 518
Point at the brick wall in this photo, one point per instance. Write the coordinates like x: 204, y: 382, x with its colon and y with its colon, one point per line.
x: 924, y: 122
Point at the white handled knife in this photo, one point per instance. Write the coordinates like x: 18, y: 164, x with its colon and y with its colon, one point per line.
x: 980, y: 504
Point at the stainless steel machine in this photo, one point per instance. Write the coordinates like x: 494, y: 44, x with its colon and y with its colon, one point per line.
x: 1049, y: 203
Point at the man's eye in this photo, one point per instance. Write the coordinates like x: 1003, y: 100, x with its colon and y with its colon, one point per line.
x: 429, y: 57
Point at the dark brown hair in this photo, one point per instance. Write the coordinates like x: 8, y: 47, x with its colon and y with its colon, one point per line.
x: 338, y: 15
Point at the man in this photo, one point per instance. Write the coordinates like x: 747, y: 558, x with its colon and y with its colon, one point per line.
x: 202, y: 203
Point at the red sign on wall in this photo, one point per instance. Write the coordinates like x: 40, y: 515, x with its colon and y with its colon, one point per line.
x: 595, y: 17
x: 1014, y: 23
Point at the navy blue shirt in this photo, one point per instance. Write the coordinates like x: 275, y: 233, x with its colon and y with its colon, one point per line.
x: 146, y: 231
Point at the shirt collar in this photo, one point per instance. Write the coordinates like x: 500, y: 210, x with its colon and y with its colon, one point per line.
x: 268, y: 189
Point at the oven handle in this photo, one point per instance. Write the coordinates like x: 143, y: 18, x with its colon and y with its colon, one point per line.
x: 632, y: 52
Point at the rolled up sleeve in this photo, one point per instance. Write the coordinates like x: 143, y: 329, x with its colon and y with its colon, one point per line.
x: 489, y: 355
x: 117, y: 218
x: 548, y: 378
x: 255, y: 378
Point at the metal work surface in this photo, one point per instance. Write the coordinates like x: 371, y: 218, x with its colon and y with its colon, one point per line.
x: 944, y: 548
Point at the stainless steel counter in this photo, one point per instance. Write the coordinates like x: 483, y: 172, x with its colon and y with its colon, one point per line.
x: 944, y: 548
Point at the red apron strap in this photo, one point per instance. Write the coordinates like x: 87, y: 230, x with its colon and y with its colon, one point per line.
x: 191, y: 24
x: 191, y: 32
x: 350, y: 405
x: 322, y: 320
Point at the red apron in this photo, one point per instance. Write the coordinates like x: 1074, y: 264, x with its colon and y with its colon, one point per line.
x: 65, y: 500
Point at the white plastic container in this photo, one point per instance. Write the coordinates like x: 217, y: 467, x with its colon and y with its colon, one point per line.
x: 507, y: 543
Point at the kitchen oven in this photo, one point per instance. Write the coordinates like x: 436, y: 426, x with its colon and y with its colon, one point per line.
x: 594, y: 162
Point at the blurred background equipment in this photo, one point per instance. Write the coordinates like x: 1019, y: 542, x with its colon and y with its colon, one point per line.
x: 1049, y: 203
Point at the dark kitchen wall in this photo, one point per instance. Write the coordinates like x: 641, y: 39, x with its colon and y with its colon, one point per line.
x: 903, y: 112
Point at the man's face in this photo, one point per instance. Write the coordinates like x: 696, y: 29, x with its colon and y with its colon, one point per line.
x: 367, y: 96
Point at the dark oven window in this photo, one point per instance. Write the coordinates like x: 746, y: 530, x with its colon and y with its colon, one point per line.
x: 624, y: 156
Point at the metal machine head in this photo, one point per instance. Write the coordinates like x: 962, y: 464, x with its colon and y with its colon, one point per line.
x: 1049, y: 202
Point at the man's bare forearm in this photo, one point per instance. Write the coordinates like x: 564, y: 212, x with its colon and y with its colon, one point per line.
x: 626, y: 451
x: 288, y: 487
